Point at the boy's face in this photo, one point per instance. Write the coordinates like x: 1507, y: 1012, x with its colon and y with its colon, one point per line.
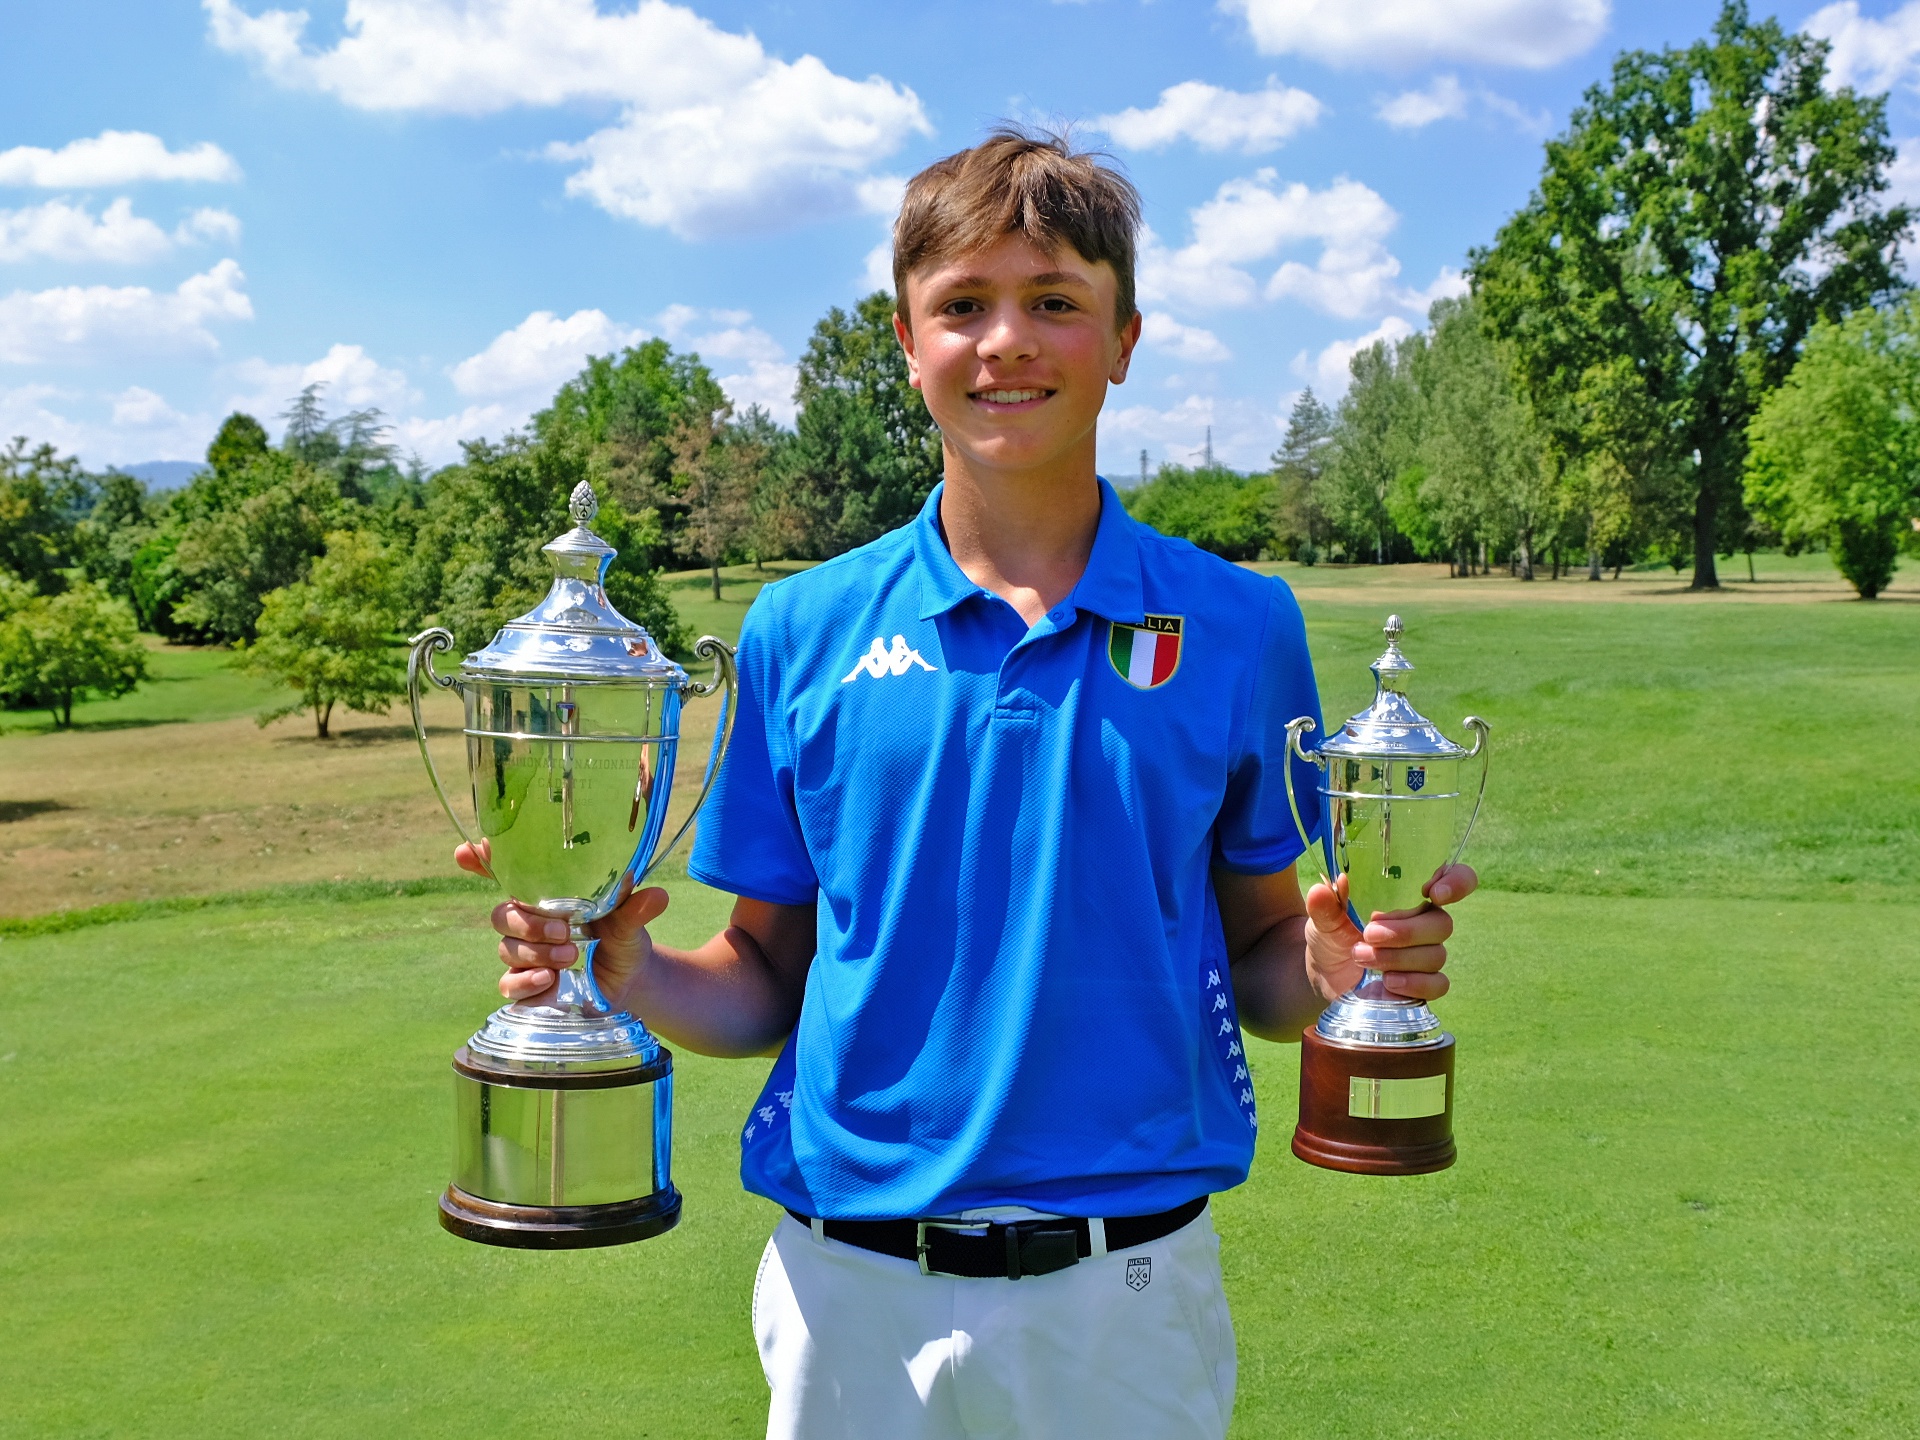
x: 1013, y: 349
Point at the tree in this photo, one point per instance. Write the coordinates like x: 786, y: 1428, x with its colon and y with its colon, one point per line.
x: 1483, y: 472
x: 1835, y: 451
x: 1700, y: 213
x: 241, y: 440
x: 1299, y: 465
x: 717, y: 473
x: 228, y: 560
x: 55, y: 650
x: 1376, y: 437
x: 334, y: 639
x: 866, y: 454
x: 42, y: 495
x: 1218, y: 509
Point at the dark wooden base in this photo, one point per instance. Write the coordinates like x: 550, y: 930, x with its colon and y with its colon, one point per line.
x: 1332, y: 1136
x: 558, y: 1227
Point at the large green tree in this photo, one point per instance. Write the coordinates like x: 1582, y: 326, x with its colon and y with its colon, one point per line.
x: 1218, y: 509
x: 867, y: 453
x: 1702, y: 210
x: 55, y: 650
x: 1376, y: 437
x: 42, y: 495
x: 334, y: 639
x: 1835, y: 451
x: 1299, y: 465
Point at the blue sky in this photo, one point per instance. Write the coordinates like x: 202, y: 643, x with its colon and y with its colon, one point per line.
x: 440, y: 206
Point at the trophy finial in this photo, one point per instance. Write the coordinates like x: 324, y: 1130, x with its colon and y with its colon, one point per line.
x: 583, y: 505
x: 1394, y: 628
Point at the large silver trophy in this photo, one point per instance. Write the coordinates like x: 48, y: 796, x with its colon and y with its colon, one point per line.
x: 1376, y: 1071
x: 564, y: 1104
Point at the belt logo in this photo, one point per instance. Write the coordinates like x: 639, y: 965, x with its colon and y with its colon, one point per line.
x: 880, y: 661
x: 1139, y: 1272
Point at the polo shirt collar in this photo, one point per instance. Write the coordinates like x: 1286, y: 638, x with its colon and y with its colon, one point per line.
x: 1110, y: 587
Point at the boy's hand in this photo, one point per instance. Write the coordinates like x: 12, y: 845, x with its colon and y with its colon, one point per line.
x: 535, y: 949
x: 1407, y: 946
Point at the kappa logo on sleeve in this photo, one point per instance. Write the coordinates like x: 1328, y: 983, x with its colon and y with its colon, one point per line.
x: 880, y: 662
x: 1139, y: 1272
x: 1147, y: 654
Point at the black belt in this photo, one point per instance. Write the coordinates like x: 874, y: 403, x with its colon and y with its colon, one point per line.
x: 987, y: 1251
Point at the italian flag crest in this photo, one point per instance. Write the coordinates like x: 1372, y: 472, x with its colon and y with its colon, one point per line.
x: 1146, y: 654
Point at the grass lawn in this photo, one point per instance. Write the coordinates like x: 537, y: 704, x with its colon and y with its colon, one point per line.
x: 1687, y: 1149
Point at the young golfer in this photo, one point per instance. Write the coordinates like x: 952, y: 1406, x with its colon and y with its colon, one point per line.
x: 1005, y: 815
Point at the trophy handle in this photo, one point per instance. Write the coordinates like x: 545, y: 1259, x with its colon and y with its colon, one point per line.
x: 1481, y: 748
x: 421, y: 650
x: 707, y: 647
x: 1296, y: 729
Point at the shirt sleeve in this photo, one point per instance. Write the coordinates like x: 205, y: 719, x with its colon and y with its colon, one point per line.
x: 749, y: 840
x: 1256, y: 833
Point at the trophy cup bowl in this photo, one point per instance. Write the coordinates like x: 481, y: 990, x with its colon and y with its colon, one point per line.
x: 564, y: 1103
x: 1376, y: 1070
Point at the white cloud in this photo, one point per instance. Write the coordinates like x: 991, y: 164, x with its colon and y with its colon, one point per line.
x: 535, y: 357
x: 1245, y: 432
x: 1184, y: 342
x: 120, y: 429
x: 1216, y: 119
x: 354, y: 380
x: 81, y: 322
x: 1870, y: 55
x: 113, y: 157
x: 1444, y: 99
x: 764, y: 376
x: 1403, y: 33
x: 1903, y: 176
x: 715, y: 136
x: 1250, y: 220
x: 1449, y: 284
x: 140, y: 407
x: 1447, y: 99
x: 60, y: 230
x: 1329, y: 370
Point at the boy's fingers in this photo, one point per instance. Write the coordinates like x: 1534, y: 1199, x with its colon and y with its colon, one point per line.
x: 1415, y: 986
x: 634, y: 914
x: 525, y: 984
x: 1454, y: 882
x: 475, y: 859
x: 521, y: 955
x: 1423, y: 927
x: 1402, y: 958
x: 1329, y: 913
x: 518, y: 922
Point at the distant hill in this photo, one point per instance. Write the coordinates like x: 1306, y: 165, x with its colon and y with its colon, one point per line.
x: 164, y: 474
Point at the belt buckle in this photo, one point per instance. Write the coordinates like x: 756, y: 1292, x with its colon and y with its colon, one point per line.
x: 980, y: 1228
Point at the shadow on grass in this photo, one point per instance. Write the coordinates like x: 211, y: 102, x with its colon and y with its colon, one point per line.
x: 342, y: 891
x: 11, y: 810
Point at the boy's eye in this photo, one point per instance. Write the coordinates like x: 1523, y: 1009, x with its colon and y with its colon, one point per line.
x: 964, y: 307
x: 1056, y: 305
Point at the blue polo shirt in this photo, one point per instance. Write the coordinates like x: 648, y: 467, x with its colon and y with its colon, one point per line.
x: 1021, y: 993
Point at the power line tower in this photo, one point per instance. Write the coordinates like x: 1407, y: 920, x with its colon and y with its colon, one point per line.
x: 1209, y: 447
x: 1143, y: 467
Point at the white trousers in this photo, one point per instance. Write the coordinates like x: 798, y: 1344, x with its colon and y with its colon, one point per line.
x: 1135, y: 1345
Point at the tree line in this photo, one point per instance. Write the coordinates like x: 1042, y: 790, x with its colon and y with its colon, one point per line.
x: 1692, y: 341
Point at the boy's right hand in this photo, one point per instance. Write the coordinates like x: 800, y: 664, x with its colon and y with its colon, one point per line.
x: 535, y: 949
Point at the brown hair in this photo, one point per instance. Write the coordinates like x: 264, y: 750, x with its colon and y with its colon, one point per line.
x: 1027, y: 182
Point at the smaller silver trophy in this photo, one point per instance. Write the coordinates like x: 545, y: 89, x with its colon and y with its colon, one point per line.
x: 1376, y: 1072
x: 564, y: 1104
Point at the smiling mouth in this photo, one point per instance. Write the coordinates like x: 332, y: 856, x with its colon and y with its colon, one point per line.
x: 1010, y: 397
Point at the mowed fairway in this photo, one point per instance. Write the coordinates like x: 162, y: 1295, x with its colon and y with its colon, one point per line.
x: 1687, y: 1101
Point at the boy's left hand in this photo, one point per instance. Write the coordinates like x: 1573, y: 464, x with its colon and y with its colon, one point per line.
x: 1408, y: 946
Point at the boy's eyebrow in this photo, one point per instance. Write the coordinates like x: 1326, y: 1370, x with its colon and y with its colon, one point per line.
x: 1047, y: 277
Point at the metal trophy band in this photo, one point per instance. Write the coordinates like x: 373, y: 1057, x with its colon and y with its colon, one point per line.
x: 564, y: 1105
x: 1376, y: 1071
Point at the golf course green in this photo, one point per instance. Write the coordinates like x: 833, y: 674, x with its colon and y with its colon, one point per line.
x: 1688, y: 1094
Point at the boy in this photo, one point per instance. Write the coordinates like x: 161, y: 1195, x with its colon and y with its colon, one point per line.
x: 1004, y: 814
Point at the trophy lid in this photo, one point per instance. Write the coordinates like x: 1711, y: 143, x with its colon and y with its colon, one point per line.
x: 575, y: 633
x: 1390, y: 727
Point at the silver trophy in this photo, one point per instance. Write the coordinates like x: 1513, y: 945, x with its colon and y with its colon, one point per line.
x: 564, y: 1104
x: 1376, y: 1089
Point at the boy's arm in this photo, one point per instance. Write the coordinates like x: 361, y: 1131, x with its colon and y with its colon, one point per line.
x: 738, y: 994
x: 1292, y: 954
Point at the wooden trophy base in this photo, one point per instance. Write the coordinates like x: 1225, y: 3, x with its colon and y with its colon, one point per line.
x: 1375, y: 1109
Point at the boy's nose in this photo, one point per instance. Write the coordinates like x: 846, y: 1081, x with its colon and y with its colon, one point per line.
x: 1009, y: 337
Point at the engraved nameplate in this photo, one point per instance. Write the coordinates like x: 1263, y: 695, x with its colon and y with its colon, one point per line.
x: 1375, y: 1099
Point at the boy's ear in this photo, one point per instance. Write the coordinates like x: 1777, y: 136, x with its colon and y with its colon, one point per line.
x: 1129, y: 337
x: 904, y: 334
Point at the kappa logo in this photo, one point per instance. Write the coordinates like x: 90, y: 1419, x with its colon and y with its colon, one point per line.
x: 1139, y: 1272
x: 879, y: 661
